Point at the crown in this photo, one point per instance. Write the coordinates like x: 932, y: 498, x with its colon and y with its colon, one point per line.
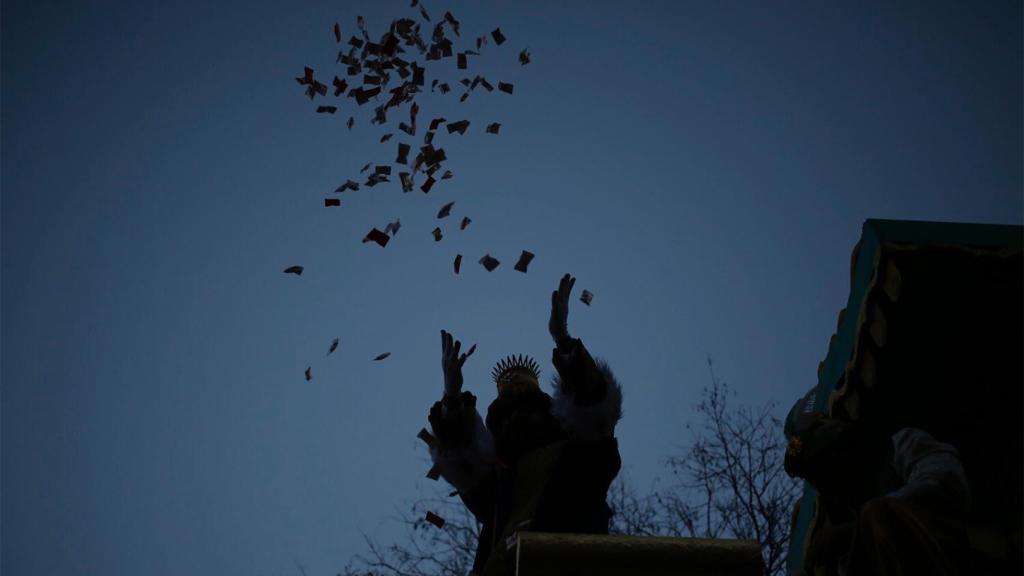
x: 504, y: 369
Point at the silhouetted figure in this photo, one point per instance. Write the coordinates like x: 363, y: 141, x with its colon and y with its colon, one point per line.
x: 896, y: 505
x: 540, y: 463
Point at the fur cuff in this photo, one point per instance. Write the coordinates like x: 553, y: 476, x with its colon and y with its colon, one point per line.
x: 464, y: 466
x: 590, y: 422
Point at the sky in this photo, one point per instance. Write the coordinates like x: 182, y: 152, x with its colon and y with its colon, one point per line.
x: 704, y: 169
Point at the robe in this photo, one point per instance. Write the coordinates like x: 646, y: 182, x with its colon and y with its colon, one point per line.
x: 539, y: 463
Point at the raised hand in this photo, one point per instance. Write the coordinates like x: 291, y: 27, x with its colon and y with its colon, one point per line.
x: 558, y: 325
x: 451, y: 363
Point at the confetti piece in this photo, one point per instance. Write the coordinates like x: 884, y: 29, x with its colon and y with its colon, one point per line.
x: 435, y: 519
x: 378, y: 237
x: 407, y: 183
x: 297, y: 270
x: 586, y: 297
x: 427, y: 437
x: 489, y: 262
x: 458, y: 262
x: 382, y: 356
x: 307, y: 77
x: 340, y: 86
x: 459, y: 126
x: 452, y: 21
x: 524, y: 261
x: 328, y: 202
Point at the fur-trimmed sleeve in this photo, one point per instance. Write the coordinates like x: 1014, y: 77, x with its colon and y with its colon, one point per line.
x: 464, y: 453
x: 587, y: 396
x: 930, y: 467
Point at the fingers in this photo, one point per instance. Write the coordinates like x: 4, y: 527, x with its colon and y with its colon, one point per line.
x: 467, y: 354
x: 565, y: 287
x: 449, y: 349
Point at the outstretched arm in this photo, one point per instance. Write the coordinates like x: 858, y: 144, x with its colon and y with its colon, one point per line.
x: 464, y: 452
x: 588, y: 399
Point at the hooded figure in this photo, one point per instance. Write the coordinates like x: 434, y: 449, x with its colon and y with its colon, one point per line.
x: 538, y: 462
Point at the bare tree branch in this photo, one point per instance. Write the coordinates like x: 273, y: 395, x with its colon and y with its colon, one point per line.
x: 730, y: 481
x: 425, y: 550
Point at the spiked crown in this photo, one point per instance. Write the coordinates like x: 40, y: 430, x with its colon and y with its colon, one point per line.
x: 516, y: 372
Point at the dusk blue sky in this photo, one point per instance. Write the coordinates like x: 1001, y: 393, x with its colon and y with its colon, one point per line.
x: 704, y: 168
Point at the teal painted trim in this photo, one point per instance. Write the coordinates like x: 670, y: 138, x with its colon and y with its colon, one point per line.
x: 835, y: 364
x: 797, y: 540
x: 873, y: 233
x: 839, y: 353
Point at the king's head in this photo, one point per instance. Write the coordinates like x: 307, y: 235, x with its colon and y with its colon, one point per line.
x: 516, y: 374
